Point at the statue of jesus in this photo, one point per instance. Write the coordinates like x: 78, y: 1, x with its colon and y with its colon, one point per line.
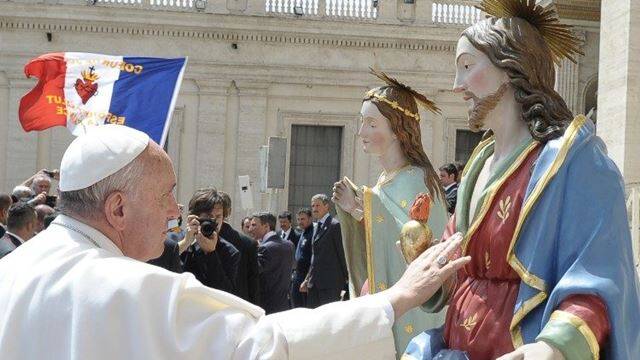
x: 541, y: 207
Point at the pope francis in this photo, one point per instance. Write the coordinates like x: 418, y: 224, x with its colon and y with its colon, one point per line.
x: 81, y: 289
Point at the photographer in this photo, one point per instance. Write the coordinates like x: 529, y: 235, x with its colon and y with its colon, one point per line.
x: 41, y: 181
x: 212, y: 260
x: 39, y: 185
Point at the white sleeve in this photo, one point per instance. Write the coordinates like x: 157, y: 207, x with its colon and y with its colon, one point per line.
x: 388, y: 310
x: 268, y: 341
x: 265, y: 340
x: 356, y: 329
x: 192, y: 321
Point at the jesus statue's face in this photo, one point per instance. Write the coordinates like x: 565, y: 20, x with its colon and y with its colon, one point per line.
x: 480, y: 82
x: 375, y: 130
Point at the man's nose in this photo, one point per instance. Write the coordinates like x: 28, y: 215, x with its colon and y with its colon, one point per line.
x: 459, y: 84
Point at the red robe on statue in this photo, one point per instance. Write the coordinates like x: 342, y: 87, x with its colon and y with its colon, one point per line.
x: 481, y: 305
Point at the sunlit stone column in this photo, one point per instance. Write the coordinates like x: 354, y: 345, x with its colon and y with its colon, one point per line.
x: 619, y: 85
x: 567, y: 83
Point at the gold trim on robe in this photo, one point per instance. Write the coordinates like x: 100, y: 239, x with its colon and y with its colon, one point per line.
x: 368, y: 226
x: 474, y: 153
x: 491, y: 193
x: 526, y: 276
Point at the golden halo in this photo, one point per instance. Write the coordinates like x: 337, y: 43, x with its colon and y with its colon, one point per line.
x: 559, y: 37
x: 420, y: 99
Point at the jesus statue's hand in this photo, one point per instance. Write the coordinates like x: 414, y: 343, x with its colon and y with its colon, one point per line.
x: 536, y: 351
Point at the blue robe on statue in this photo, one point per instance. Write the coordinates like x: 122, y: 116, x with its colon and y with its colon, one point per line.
x: 573, y: 239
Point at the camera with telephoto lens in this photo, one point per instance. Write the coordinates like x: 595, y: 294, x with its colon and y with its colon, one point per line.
x: 51, y: 201
x: 207, y: 226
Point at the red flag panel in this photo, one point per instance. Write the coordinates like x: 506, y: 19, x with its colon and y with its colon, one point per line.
x: 44, y: 106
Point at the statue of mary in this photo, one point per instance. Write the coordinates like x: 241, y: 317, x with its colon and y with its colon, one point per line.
x: 371, y: 218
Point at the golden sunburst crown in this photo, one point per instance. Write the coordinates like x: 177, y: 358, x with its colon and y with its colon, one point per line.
x: 420, y: 99
x: 559, y: 37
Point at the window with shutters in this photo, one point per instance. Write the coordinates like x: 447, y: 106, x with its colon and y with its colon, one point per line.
x: 314, y: 163
x: 466, y: 141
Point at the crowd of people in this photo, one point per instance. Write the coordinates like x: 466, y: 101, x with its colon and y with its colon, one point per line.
x: 277, y: 263
x: 28, y: 210
x: 270, y: 262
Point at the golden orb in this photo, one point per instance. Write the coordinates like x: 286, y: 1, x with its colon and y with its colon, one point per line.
x: 415, y: 238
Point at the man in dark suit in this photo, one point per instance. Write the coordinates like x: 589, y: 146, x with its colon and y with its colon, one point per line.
x: 170, y: 258
x: 213, y: 261
x: 302, y: 258
x: 275, y: 260
x: 448, y: 179
x: 5, y: 204
x: 327, y: 277
x: 287, y: 232
x: 247, y: 280
x: 21, y: 225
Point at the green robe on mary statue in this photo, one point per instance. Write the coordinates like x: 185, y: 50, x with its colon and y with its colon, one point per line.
x: 370, y: 244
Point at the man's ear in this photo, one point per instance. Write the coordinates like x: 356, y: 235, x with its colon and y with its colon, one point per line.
x: 114, y: 210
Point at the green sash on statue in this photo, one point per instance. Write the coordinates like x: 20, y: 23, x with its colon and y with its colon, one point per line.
x: 370, y: 245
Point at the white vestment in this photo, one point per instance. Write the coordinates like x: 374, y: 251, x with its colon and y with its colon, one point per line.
x: 69, y: 293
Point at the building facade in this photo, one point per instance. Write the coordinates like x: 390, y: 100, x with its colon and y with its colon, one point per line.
x: 266, y: 68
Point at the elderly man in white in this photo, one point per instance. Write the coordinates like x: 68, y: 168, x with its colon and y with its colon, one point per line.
x: 78, y: 291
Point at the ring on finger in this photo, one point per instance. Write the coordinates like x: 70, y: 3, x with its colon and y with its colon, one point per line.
x: 442, y: 260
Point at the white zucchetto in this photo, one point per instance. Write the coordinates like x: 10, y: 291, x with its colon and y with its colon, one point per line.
x: 99, y: 153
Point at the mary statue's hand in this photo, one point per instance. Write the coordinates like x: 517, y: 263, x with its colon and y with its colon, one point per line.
x: 344, y: 197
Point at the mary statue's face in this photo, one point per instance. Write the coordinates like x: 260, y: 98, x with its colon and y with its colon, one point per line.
x: 375, y: 131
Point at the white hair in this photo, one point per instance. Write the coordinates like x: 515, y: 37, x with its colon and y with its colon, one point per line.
x: 321, y: 197
x: 38, y: 178
x: 22, y: 192
x: 89, y: 202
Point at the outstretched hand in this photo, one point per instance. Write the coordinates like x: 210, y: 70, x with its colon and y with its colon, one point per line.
x: 426, y: 274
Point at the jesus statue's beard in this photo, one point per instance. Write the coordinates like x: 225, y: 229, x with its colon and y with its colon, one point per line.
x: 484, y: 106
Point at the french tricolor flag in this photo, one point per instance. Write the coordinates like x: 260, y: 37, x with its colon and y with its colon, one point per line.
x: 79, y: 90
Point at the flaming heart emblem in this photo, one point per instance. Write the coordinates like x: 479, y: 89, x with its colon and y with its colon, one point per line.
x: 86, y: 87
